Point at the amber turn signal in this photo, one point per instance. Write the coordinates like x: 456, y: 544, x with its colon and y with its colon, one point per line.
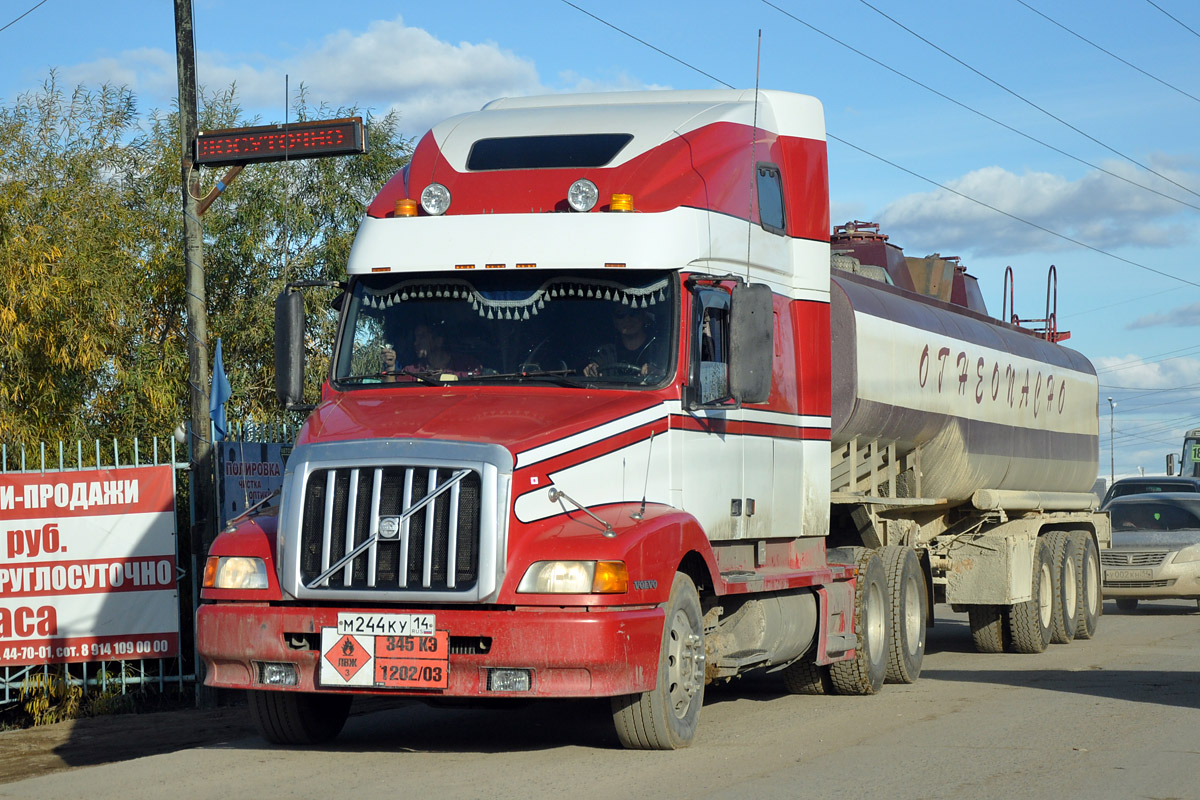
x: 611, y: 577
x: 406, y: 208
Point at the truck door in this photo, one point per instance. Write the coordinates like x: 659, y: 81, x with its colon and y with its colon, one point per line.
x: 711, y: 439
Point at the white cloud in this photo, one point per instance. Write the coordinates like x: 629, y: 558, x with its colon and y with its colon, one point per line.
x: 1097, y: 209
x: 1182, y: 317
x: 1135, y: 372
x: 390, y: 65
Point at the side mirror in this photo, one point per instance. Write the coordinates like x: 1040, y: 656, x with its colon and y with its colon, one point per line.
x: 1171, y: 464
x: 751, y: 342
x: 289, y: 348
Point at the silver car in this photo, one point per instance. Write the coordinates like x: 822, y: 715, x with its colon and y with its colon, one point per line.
x: 1155, y: 551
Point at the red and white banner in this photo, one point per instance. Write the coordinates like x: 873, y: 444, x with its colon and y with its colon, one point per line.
x: 87, y: 566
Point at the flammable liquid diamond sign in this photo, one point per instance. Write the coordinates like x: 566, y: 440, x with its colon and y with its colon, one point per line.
x: 343, y: 658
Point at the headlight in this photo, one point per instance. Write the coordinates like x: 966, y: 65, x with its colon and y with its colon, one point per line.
x: 582, y: 195
x: 435, y: 199
x: 575, y: 577
x: 1187, y: 555
x: 235, y: 572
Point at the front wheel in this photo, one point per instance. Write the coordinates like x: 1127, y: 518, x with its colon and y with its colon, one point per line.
x: 665, y: 718
x: 298, y: 717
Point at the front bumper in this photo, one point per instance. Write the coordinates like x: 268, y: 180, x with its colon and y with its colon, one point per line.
x: 1163, y: 581
x: 571, y: 653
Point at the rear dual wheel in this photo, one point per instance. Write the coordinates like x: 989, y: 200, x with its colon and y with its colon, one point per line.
x: 908, y: 609
x: 1030, y: 624
x: 865, y: 673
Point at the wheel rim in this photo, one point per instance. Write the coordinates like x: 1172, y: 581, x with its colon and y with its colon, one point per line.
x: 1070, y: 597
x: 1091, y: 583
x: 913, y: 622
x: 1045, y: 595
x: 874, y: 623
x: 685, y: 663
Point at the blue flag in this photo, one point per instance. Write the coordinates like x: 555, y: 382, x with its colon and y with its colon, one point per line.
x: 220, y: 394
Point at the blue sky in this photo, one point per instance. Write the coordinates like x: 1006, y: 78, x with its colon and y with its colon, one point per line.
x: 1002, y: 58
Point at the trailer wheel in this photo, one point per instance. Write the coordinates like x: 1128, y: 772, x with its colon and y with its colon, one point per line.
x: 906, y: 591
x: 806, y: 676
x: 1030, y: 623
x: 298, y: 717
x: 665, y: 718
x: 864, y: 674
x: 989, y: 625
x: 1065, y: 618
x: 1091, y: 601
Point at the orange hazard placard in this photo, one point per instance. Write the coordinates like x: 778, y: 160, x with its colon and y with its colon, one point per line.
x: 348, y: 656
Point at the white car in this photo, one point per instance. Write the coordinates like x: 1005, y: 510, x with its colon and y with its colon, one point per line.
x: 1155, y: 551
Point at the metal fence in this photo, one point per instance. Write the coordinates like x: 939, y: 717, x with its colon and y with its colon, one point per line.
x: 117, y: 676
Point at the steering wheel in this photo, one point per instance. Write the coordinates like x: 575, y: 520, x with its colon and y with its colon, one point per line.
x: 621, y: 369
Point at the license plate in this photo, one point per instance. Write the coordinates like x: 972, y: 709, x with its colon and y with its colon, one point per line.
x: 387, y: 624
x: 1127, y: 574
x: 384, y: 662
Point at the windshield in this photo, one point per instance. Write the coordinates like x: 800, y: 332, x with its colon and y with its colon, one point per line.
x: 604, y: 330
x: 1152, y: 517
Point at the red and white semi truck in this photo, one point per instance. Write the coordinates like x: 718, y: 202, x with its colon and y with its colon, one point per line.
x: 599, y: 422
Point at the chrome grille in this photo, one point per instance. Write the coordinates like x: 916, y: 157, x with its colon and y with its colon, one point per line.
x: 435, y: 548
x: 1160, y: 584
x: 1130, y: 558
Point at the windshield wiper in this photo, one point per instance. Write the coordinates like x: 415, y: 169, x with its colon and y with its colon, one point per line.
x: 430, y: 377
x: 556, y: 376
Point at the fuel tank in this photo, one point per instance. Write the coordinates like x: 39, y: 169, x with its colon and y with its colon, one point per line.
x: 992, y: 406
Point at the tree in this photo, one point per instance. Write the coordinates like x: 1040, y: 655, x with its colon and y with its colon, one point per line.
x: 92, y: 325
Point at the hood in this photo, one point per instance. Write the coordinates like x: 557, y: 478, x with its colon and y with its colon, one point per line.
x: 516, y: 418
x: 1155, y: 540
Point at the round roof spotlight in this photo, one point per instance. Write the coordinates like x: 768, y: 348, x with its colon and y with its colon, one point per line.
x: 435, y: 199
x: 582, y: 195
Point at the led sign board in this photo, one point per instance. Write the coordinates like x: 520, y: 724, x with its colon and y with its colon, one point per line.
x: 307, y: 139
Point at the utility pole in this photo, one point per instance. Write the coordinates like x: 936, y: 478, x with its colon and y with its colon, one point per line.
x: 205, y: 528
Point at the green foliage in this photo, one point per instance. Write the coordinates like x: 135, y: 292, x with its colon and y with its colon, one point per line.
x: 53, y: 696
x: 92, y: 321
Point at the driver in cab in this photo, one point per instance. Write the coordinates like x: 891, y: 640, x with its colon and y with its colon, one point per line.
x: 635, y: 352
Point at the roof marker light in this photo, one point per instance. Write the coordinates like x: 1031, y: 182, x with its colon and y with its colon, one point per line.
x: 621, y: 202
x: 435, y: 199
x: 582, y: 195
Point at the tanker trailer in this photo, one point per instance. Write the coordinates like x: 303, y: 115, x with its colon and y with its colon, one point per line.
x: 974, y: 444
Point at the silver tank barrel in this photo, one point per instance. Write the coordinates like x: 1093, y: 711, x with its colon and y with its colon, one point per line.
x: 991, y: 406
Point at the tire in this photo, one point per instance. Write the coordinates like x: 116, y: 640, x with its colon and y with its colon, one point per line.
x: 865, y: 673
x: 909, y: 607
x: 1030, y: 623
x: 1091, y: 598
x: 1127, y: 604
x: 298, y: 717
x: 989, y: 628
x: 665, y: 718
x: 807, y: 677
x: 1065, y: 617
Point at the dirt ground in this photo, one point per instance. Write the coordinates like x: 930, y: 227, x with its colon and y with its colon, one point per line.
x: 99, y: 740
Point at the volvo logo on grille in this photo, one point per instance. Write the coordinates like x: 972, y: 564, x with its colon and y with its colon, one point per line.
x: 389, y: 527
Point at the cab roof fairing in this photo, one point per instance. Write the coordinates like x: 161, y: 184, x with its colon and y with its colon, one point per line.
x: 656, y: 165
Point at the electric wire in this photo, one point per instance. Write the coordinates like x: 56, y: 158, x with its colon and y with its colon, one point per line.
x: 866, y: 152
x: 23, y: 16
x: 976, y: 111
x: 647, y: 44
x: 1107, y: 52
x: 1175, y: 19
x: 1027, y: 101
